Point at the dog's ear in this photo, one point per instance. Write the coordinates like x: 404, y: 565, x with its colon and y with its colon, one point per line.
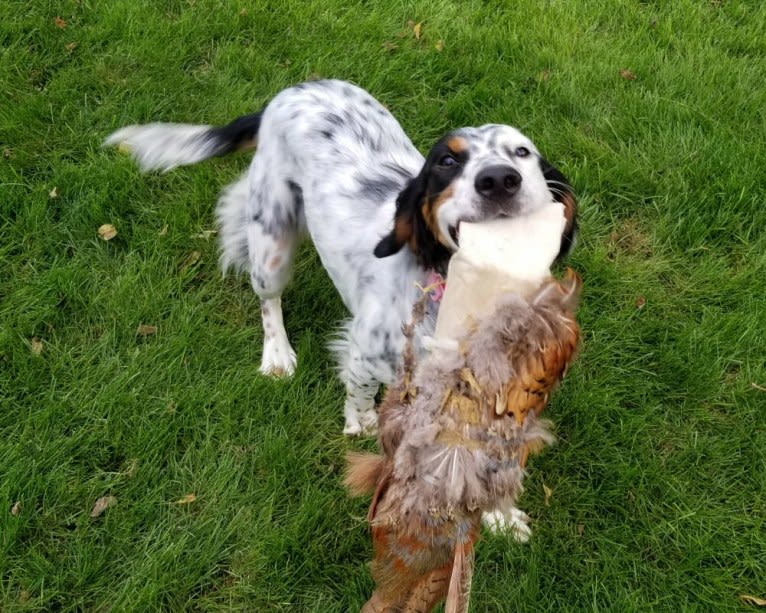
x: 407, y: 206
x: 562, y: 192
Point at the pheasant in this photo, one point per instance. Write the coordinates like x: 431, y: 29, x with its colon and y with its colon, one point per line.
x: 457, y: 429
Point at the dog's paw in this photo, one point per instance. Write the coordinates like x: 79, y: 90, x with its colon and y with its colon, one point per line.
x: 278, y: 359
x: 514, y: 522
x: 364, y: 424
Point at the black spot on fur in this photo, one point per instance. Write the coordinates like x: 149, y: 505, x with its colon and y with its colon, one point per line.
x: 377, y: 188
x: 240, y: 133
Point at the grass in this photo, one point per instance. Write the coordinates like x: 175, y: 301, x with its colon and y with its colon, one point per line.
x: 659, y: 477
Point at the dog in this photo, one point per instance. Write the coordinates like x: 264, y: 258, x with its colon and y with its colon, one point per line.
x: 332, y: 162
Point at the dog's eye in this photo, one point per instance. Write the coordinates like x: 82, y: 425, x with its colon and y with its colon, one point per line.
x: 448, y: 160
x: 521, y: 152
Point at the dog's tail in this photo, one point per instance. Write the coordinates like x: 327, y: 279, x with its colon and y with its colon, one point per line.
x: 164, y: 146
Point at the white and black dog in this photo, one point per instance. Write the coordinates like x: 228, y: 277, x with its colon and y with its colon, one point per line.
x: 332, y: 162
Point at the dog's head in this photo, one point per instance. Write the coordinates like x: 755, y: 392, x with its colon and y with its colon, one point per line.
x: 474, y: 174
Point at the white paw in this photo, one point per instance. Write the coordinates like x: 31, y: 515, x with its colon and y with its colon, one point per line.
x: 514, y: 522
x: 362, y: 424
x: 278, y: 359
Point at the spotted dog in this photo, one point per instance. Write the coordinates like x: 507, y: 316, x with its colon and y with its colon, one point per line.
x: 333, y: 163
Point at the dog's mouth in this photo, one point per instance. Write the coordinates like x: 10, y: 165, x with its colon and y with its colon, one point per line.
x: 454, y: 233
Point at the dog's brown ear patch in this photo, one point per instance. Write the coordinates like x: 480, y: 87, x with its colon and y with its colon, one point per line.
x: 402, y: 234
x: 562, y: 192
x: 430, y: 212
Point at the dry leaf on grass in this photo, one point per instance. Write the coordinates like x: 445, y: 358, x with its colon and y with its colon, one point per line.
x: 146, y: 330
x: 439, y: 46
x: 102, y: 504
x: 191, y: 260
x: 548, y: 494
x: 418, y: 30
x: 164, y: 230
x: 188, y: 499
x: 640, y: 302
x: 60, y: 23
x: 753, y: 600
x: 54, y: 193
x: 16, y: 508
x: 36, y: 345
x: 71, y: 47
x: 628, y: 75
x: 107, y: 232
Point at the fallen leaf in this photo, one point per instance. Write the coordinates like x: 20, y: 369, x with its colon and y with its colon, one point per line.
x: 546, y: 75
x: 640, y: 302
x: 418, y: 30
x: 190, y: 260
x: 188, y: 499
x: 25, y: 595
x: 16, y: 508
x: 243, y: 13
x: 628, y: 75
x: 7, y: 152
x: 146, y: 330
x: 753, y: 600
x: 71, y: 47
x: 107, y: 232
x: 37, y: 345
x: 439, y: 46
x: 580, y: 529
x: 61, y: 24
x: 54, y: 193
x: 164, y: 230
x: 548, y: 494
x: 102, y: 504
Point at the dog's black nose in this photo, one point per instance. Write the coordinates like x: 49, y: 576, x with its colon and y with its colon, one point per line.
x: 497, y: 182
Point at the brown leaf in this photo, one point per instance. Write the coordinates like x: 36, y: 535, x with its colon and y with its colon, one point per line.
x: 37, y: 345
x: 102, y: 504
x: 418, y: 30
x: 54, y: 193
x: 753, y: 600
x: 188, y: 499
x: 16, y: 508
x: 548, y: 494
x: 146, y: 330
x: 107, y: 231
x: 628, y: 75
x: 71, y: 47
x: 191, y: 260
x: 61, y: 24
x: 640, y: 302
x: 439, y: 46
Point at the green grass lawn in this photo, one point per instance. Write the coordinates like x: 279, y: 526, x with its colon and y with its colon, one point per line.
x: 657, y: 113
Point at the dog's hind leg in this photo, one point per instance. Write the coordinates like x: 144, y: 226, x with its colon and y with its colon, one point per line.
x: 274, y: 226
